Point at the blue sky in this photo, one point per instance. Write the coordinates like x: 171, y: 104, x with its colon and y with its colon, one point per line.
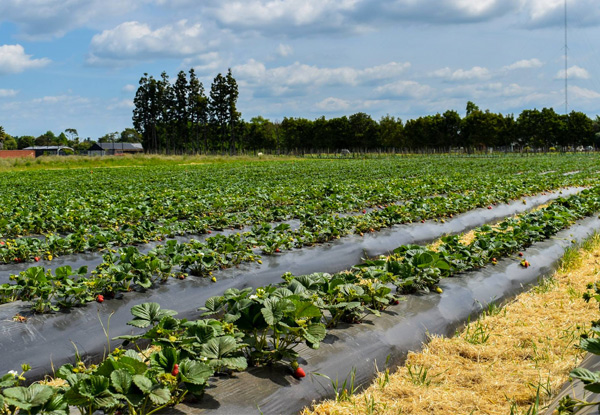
x: 77, y: 63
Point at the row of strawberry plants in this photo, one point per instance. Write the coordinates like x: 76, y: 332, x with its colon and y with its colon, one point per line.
x: 126, y: 227
x: 96, y: 239
x: 128, y: 268
x: 265, y: 325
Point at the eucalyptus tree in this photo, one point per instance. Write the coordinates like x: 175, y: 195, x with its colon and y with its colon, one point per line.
x: 198, y: 110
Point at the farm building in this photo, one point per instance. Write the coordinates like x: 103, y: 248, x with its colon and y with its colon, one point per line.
x: 108, y: 149
x: 50, y: 150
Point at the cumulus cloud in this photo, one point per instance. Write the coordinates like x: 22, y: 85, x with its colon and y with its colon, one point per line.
x: 487, y: 90
x: 124, y: 104
x: 574, y: 72
x: 284, y: 50
x: 281, y: 79
x: 8, y: 93
x: 524, y: 64
x: 404, y: 90
x: 131, y: 41
x: 53, y: 18
x: 283, y: 14
x: 128, y: 88
x: 583, y: 93
x: 476, y: 72
x: 544, y: 13
x: 332, y: 104
x: 14, y: 60
x: 55, y: 99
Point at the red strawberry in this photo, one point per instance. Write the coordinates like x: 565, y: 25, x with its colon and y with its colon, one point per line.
x: 422, y: 220
x: 299, y: 372
x: 100, y: 298
x: 209, y: 232
x: 520, y: 253
x: 277, y: 250
x: 489, y: 207
x: 175, y: 370
x: 364, y: 210
x: 37, y: 258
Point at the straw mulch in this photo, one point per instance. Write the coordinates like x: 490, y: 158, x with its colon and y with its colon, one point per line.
x: 499, y: 363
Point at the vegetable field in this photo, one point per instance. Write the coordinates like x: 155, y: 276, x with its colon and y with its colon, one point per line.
x: 193, y: 258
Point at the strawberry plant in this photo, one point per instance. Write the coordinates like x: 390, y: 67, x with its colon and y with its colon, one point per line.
x: 274, y: 321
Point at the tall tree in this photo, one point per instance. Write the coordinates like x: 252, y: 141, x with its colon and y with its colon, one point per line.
x: 218, y: 107
x: 147, y: 112
x: 198, y: 110
x: 181, y: 111
x: 232, y: 112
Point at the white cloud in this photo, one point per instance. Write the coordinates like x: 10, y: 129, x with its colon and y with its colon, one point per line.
x: 583, y: 93
x: 283, y: 13
x: 131, y: 41
x: 14, y: 60
x: 280, y: 79
x: 332, y: 104
x: 574, y: 72
x: 128, y: 88
x: 404, y: 90
x: 476, y: 72
x: 524, y: 64
x: 8, y: 93
x: 543, y: 13
x: 39, y: 19
x: 284, y: 50
x: 125, y: 104
x: 55, y: 99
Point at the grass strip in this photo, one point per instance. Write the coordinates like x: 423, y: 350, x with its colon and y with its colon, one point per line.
x: 511, y: 360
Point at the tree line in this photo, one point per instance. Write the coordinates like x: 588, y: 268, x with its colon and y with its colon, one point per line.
x: 181, y: 117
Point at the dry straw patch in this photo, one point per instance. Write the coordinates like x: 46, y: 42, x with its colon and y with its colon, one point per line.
x: 499, y: 362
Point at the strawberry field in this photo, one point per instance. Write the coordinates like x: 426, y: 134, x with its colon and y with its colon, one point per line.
x: 230, y: 266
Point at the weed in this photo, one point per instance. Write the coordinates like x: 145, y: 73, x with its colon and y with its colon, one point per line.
x: 419, y: 375
x: 476, y: 333
x: 545, y: 284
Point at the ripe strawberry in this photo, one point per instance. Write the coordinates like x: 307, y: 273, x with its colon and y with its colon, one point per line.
x: 175, y: 370
x: 209, y: 232
x: 489, y: 207
x: 520, y: 253
x: 37, y: 258
x: 422, y: 220
x: 364, y: 210
x: 299, y: 373
x: 277, y: 250
x: 100, y: 298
